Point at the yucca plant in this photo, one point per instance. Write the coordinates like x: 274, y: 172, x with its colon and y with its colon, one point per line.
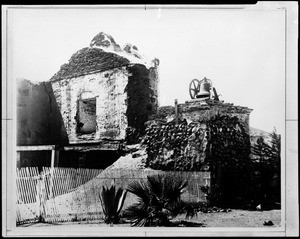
x: 112, y: 201
x: 159, y: 200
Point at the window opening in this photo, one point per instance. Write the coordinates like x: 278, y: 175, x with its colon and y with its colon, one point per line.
x: 86, y: 116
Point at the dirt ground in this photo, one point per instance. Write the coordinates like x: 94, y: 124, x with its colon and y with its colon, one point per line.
x: 234, y: 218
x: 239, y: 218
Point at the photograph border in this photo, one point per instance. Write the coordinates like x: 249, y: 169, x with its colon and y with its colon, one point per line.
x: 289, y: 182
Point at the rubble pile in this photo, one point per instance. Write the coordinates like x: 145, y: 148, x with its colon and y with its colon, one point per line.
x: 133, y: 160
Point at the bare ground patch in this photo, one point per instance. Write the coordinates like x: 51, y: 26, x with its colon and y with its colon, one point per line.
x: 234, y: 218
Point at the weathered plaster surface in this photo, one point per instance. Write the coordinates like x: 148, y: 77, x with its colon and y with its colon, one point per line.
x: 125, y: 96
x: 109, y: 89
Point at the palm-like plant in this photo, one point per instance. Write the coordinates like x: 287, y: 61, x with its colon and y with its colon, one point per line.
x: 159, y: 200
x: 112, y: 201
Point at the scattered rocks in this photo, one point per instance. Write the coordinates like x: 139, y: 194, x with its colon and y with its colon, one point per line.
x: 214, y: 210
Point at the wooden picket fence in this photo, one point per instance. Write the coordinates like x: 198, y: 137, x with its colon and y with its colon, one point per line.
x: 30, y: 181
x: 69, y: 194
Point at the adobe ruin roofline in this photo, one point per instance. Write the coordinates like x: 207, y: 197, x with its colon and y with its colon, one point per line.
x: 55, y: 79
x: 101, y: 55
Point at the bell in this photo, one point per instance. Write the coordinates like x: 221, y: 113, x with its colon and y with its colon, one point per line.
x: 204, y: 92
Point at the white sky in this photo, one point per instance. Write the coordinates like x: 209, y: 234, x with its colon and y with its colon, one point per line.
x: 242, y: 52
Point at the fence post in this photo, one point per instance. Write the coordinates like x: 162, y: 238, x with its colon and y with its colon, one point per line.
x: 40, y: 198
x: 51, y: 173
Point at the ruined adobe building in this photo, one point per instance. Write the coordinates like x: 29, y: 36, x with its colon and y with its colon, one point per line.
x: 103, y: 90
x: 106, y: 97
x: 102, y: 94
